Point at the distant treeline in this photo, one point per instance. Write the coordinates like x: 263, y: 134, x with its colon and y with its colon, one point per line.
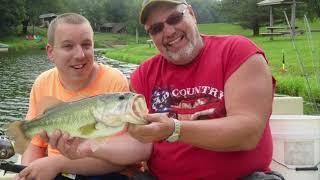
x: 15, y: 13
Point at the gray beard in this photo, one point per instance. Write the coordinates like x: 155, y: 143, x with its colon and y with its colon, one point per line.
x: 183, y: 53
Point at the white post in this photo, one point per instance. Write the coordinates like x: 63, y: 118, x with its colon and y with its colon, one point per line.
x: 137, y: 36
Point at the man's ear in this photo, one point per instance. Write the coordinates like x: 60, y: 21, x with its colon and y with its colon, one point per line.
x: 49, y: 49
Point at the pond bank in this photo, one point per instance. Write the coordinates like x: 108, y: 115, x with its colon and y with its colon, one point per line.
x: 4, y: 47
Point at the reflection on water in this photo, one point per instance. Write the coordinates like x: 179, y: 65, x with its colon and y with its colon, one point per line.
x: 17, y: 73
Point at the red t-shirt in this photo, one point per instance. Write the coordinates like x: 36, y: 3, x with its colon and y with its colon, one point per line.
x: 199, y: 86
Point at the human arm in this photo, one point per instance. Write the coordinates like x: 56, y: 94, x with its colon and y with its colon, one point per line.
x: 121, y: 150
x: 39, y: 169
x: 248, y: 100
x: 32, y: 153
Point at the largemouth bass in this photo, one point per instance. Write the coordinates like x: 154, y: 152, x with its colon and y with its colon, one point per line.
x: 97, y: 116
x: 6, y: 148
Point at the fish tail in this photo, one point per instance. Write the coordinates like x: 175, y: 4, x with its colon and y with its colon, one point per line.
x: 21, y: 141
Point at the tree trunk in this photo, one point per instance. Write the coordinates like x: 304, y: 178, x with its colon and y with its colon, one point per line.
x: 255, y: 29
x: 25, y: 26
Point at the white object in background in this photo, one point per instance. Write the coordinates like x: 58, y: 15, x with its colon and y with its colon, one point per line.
x: 296, y: 144
x: 287, y: 105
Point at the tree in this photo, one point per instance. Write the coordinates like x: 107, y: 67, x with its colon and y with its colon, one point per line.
x: 34, y: 8
x: 11, y: 15
x: 133, y: 22
x: 93, y: 10
x: 313, y: 7
x: 117, y: 10
x: 207, y: 11
x: 246, y: 13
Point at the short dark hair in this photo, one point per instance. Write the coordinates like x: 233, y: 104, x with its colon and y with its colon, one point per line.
x: 69, y: 18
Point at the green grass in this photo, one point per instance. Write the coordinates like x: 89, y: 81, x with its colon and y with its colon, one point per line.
x: 224, y: 29
x: 110, y: 40
x: 19, y: 42
x: 132, y: 53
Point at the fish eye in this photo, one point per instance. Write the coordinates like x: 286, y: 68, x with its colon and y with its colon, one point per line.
x: 121, y: 97
x: 3, y: 153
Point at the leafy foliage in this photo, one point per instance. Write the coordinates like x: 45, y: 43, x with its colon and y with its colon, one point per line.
x: 244, y: 12
x: 11, y: 15
x: 206, y: 10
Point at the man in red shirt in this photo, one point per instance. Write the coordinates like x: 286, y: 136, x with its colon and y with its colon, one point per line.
x: 210, y: 99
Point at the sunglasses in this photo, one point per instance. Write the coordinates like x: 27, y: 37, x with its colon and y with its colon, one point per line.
x: 173, y: 19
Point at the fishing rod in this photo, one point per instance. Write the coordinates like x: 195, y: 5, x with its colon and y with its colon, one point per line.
x: 312, y: 49
x: 8, y: 166
x: 302, y: 67
x: 7, y: 152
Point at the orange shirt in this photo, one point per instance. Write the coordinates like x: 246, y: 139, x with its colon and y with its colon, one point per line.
x: 108, y: 79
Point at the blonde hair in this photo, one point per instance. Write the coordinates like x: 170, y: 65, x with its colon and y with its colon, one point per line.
x: 69, y: 18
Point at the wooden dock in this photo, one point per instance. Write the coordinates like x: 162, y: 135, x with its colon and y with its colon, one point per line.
x: 4, y: 47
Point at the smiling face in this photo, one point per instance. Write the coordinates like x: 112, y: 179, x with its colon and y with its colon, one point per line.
x: 72, y: 52
x: 181, y: 42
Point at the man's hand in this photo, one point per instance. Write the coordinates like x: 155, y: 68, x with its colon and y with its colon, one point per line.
x: 43, y: 168
x: 71, y: 147
x: 160, y: 128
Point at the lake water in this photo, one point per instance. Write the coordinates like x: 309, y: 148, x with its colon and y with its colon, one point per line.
x: 18, y: 70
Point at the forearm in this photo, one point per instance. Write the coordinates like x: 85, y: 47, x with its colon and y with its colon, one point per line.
x: 234, y: 133
x: 32, y: 153
x: 87, y: 166
x: 123, y: 150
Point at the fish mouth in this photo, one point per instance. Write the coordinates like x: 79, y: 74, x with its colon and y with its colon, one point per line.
x: 139, y: 108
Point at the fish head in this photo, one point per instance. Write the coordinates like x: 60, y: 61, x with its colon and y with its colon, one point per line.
x: 119, y: 108
x: 6, y: 148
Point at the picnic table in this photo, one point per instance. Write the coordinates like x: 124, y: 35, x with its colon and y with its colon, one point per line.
x: 272, y: 28
x: 272, y: 31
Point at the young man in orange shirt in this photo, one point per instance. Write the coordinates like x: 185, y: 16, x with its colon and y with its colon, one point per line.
x: 75, y: 75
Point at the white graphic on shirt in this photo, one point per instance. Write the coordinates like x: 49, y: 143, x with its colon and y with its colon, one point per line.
x: 199, y: 102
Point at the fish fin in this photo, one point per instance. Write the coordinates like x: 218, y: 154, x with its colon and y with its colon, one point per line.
x: 99, y: 126
x: 87, y: 129
x: 21, y: 141
x: 47, y: 103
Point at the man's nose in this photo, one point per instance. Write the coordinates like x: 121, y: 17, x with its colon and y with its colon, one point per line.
x: 168, y: 29
x: 79, y: 51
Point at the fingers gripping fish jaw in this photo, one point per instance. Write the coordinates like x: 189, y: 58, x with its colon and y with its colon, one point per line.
x: 138, y: 110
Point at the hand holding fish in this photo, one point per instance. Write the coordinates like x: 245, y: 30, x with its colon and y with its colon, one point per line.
x: 38, y: 169
x: 159, y: 128
x: 71, y: 147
